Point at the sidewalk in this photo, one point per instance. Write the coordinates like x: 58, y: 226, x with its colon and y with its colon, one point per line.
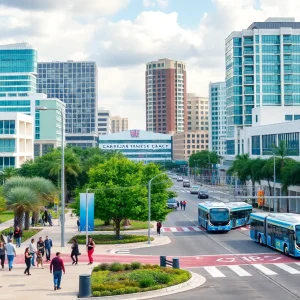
x: 6, y: 224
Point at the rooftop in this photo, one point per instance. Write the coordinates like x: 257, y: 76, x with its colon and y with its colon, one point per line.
x: 22, y: 45
x: 275, y: 23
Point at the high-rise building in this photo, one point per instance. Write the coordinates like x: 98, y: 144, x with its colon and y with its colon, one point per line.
x: 119, y: 124
x: 165, y: 96
x: 262, y: 69
x: 104, y: 121
x: 217, y: 117
x: 75, y: 83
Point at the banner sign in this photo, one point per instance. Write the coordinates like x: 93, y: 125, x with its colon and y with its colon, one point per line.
x: 152, y: 146
x: 90, y: 199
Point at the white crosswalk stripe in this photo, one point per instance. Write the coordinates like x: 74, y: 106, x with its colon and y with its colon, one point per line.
x: 239, y: 271
x: 122, y: 251
x: 214, y: 272
x: 264, y: 269
x: 287, y: 268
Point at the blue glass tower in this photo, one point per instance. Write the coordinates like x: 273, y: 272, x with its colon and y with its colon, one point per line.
x: 262, y: 69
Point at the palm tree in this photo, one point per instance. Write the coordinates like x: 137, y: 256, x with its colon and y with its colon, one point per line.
x: 267, y: 172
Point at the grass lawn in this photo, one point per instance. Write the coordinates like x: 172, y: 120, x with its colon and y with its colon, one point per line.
x: 119, y: 279
x: 103, y: 239
x: 6, y: 216
x: 26, y: 234
x: 135, y: 225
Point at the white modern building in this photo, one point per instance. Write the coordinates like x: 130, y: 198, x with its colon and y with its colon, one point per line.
x: 104, y: 121
x: 139, y: 145
x: 118, y: 124
x: 16, y: 139
x: 217, y: 117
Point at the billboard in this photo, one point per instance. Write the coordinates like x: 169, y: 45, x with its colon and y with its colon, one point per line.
x: 87, y: 201
x: 120, y: 146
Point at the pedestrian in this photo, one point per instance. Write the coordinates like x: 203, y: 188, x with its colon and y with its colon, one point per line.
x: 41, y: 246
x: 33, y: 251
x: 11, y: 253
x: 50, y: 219
x: 184, y: 204
x: 78, y: 224
x: 2, y: 254
x: 18, y: 236
x: 27, y: 260
x: 177, y: 204
x: 181, y: 204
x: 48, y: 246
x: 45, y: 216
x: 57, y: 265
x: 90, y: 250
x: 158, y: 227
x: 39, y: 259
x: 75, y: 252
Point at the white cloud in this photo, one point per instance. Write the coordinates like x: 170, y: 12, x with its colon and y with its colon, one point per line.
x: 153, y: 3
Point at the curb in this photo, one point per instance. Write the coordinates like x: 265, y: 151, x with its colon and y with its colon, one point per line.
x: 195, y: 281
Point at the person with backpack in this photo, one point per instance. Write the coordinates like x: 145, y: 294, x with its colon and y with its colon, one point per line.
x: 158, y: 227
x: 184, y: 204
x: 181, y: 203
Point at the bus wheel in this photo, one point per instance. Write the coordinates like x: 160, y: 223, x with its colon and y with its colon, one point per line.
x: 286, y: 250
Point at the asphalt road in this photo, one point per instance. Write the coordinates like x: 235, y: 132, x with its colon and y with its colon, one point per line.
x: 234, y: 266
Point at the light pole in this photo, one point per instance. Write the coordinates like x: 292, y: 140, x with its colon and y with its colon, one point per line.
x: 149, y: 205
x: 274, y: 182
x: 43, y: 108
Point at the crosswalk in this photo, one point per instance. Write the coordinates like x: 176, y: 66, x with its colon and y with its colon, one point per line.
x: 195, y: 228
x: 251, y: 270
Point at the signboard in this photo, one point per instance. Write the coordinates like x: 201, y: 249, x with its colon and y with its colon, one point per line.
x: 87, y: 201
x: 152, y: 146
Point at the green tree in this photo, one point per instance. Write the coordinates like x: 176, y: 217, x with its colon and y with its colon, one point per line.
x: 120, y: 187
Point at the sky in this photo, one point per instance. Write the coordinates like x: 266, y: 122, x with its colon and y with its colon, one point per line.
x: 123, y: 35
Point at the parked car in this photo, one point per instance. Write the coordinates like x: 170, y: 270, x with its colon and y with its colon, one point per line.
x: 186, y: 183
x: 179, y: 178
x: 174, y: 176
x: 194, y: 189
x: 172, y: 203
x: 203, y: 194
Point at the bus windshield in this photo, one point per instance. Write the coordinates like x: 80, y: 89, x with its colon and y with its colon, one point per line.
x: 297, y: 233
x: 220, y: 214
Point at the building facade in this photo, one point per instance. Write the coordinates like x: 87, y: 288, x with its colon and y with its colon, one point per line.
x: 139, y: 145
x: 165, y: 96
x: 104, y: 121
x: 118, y: 124
x: 74, y: 83
x: 16, y: 139
x: 187, y: 143
x: 217, y: 117
x: 262, y: 69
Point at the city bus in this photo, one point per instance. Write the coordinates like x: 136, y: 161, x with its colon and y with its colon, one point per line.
x: 280, y: 231
x: 239, y: 213
x: 214, y: 216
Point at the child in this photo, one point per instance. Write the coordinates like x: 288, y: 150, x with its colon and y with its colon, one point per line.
x: 39, y: 259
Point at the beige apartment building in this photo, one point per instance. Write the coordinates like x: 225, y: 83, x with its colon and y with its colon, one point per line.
x: 119, y: 124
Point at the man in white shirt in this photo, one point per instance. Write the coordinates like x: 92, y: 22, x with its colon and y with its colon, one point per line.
x: 33, y: 251
x: 11, y: 253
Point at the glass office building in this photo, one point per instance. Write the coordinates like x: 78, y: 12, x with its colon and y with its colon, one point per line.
x: 217, y: 117
x: 74, y: 83
x: 262, y: 69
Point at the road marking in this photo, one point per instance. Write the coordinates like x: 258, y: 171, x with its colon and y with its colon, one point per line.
x: 182, y: 191
x: 238, y: 270
x: 264, y: 269
x: 214, y: 272
x: 185, y: 229
x: 179, y: 229
x: 123, y: 251
x: 287, y: 268
x: 173, y: 229
x: 166, y: 229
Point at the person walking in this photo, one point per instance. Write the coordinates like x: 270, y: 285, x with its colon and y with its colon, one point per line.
x: 18, y: 236
x: 33, y: 251
x: 158, y: 227
x: 50, y: 219
x: 58, y: 267
x: 78, y: 224
x: 2, y: 254
x: 177, y: 204
x: 75, y: 252
x: 27, y: 260
x: 45, y: 217
x: 48, y: 246
x: 11, y: 253
x: 181, y: 204
x: 184, y: 204
x: 41, y: 246
x: 90, y: 250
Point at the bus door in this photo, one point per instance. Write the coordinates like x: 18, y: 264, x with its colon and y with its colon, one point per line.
x: 273, y: 235
x: 291, y: 242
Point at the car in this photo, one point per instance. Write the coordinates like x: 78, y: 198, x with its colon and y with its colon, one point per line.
x: 194, y: 189
x: 172, y: 203
x: 203, y: 194
x: 186, y: 183
x: 179, y: 178
x: 174, y: 176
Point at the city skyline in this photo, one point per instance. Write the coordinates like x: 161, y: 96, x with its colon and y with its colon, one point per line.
x: 121, y: 36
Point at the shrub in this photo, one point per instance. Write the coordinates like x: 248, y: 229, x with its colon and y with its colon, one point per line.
x: 97, y: 294
x: 104, y: 266
x: 146, y: 282
x: 116, y: 267
x: 162, y: 278
x: 97, y: 269
x: 105, y: 293
x: 127, y: 267
x: 136, y: 265
x: 131, y: 289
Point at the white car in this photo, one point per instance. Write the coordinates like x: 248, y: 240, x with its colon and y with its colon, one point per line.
x: 179, y: 178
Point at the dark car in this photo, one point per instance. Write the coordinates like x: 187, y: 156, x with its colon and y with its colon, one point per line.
x: 203, y: 194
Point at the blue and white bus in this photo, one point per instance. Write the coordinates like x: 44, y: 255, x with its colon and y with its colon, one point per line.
x: 239, y: 213
x: 214, y: 216
x: 280, y: 231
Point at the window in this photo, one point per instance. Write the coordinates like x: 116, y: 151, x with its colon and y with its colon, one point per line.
x: 291, y: 141
x: 268, y: 143
x: 256, y: 118
x: 289, y: 117
x: 296, y: 117
x: 256, y: 145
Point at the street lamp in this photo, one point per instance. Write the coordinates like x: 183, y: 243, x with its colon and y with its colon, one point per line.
x: 274, y: 183
x: 149, y: 205
x: 43, y: 108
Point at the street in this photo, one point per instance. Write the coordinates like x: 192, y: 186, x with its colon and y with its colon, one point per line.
x: 232, y: 263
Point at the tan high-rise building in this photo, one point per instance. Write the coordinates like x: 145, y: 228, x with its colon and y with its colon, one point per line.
x: 165, y: 96
x: 119, y: 124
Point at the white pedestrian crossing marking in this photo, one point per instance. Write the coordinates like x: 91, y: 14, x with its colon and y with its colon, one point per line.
x: 287, y: 268
x: 173, y: 229
x: 214, y: 272
x: 238, y: 270
x: 185, y: 229
x: 181, y: 229
x: 264, y: 269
